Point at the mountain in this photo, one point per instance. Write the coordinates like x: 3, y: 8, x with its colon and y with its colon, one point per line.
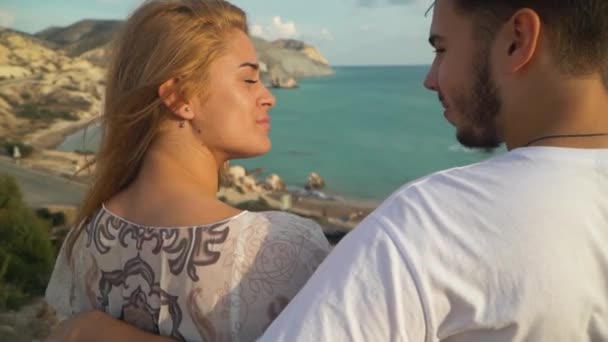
x: 82, y: 36
x: 22, y: 55
x: 285, y: 62
x: 57, y: 75
x: 284, y: 59
x: 300, y: 46
x: 40, y: 85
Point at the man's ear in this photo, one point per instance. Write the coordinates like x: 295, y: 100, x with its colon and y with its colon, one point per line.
x: 521, y: 40
x: 170, y: 98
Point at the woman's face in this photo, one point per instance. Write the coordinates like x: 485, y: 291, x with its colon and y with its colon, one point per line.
x: 233, y: 118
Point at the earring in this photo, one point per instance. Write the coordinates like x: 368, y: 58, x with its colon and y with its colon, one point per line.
x: 182, y: 123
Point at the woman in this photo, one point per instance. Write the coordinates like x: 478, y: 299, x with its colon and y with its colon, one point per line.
x: 155, y: 248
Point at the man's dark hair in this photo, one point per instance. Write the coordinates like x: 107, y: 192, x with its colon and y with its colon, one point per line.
x: 578, y: 29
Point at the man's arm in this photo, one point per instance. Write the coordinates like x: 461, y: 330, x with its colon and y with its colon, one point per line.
x: 363, y: 291
x: 95, y: 326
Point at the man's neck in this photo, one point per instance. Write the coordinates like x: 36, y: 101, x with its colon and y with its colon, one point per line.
x: 572, y: 114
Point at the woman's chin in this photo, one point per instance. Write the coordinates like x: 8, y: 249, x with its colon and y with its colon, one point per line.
x: 262, y: 147
x: 254, y: 150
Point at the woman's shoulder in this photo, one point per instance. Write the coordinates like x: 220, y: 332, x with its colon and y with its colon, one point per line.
x: 277, y: 221
x: 281, y: 225
x: 279, y: 218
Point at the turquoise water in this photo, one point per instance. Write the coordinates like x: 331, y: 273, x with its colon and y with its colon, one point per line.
x: 366, y: 130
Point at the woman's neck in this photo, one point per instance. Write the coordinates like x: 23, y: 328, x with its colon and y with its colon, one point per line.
x: 172, y: 165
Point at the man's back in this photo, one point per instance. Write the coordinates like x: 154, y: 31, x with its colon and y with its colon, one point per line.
x: 513, y: 249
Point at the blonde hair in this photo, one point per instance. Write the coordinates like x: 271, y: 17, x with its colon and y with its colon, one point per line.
x: 161, y: 40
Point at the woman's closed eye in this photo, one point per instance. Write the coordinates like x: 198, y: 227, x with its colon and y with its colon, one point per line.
x: 251, y: 81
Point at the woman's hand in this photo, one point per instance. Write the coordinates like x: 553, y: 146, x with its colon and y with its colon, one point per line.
x: 72, y: 329
x: 96, y: 326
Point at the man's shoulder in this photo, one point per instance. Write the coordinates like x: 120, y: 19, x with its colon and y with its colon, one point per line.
x: 486, y: 174
x: 452, y: 200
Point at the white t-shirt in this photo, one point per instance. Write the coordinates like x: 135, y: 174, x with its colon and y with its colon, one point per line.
x: 511, y: 249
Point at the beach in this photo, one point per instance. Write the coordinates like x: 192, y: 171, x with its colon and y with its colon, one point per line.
x: 337, y: 215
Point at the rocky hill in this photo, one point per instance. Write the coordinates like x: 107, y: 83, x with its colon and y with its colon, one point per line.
x: 81, y: 37
x: 285, y: 60
x: 54, y: 79
x: 40, y: 85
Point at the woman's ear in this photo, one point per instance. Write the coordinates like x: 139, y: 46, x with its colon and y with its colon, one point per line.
x: 170, y: 98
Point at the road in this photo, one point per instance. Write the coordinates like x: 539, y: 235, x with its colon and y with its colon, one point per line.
x: 41, y: 189
x: 32, y: 78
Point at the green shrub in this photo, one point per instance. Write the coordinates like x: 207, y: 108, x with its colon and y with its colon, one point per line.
x: 29, y: 111
x: 55, y: 219
x: 43, y: 213
x: 26, y: 252
x: 32, y: 111
x: 12, y: 297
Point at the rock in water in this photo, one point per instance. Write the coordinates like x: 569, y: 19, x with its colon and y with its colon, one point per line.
x: 315, y: 182
x: 250, y: 184
x: 289, y: 83
x: 279, y: 78
x: 237, y: 172
x: 275, y: 183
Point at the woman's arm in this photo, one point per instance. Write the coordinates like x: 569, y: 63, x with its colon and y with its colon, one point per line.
x: 96, y: 326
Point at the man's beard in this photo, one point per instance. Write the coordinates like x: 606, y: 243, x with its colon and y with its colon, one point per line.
x: 480, y: 107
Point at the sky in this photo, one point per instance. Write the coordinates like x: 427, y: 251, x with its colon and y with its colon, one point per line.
x: 346, y: 32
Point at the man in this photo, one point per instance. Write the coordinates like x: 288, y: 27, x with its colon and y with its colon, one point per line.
x: 511, y: 249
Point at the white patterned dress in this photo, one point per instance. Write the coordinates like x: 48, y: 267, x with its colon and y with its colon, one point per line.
x: 220, y: 282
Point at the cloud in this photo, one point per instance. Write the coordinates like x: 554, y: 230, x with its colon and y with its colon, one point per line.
x: 275, y: 29
x: 256, y: 30
x: 379, y: 3
x: 7, y: 19
x: 326, y: 35
x: 318, y: 36
x: 284, y: 29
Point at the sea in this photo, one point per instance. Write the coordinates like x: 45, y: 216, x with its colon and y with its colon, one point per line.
x: 365, y: 130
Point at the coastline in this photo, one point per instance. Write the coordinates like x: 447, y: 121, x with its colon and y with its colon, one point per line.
x: 50, y: 138
x: 337, y: 215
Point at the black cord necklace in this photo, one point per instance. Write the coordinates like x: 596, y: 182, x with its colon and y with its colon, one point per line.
x: 589, y: 135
